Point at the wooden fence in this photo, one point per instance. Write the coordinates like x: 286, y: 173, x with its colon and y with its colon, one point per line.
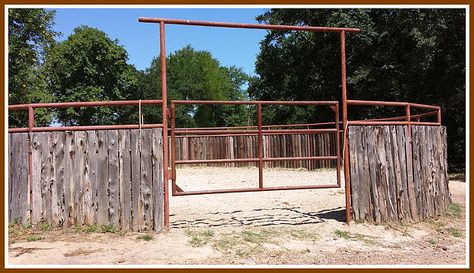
x: 390, y: 181
x: 234, y: 147
x: 107, y: 177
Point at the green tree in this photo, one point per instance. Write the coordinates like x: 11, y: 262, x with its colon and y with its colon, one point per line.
x: 30, y: 33
x: 415, y: 55
x: 89, y: 66
x: 194, y: 75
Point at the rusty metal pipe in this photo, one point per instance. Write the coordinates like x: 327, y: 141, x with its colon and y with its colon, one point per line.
x: 390, y: 103
x: 267, y: 159
x: 344, y: 125
x: 252, y: 102
x: 84, y: 128
x: 31, y: 124
x: 165, y: 125
x: 81, y: 104
x: 241, y: 25
x: 338, y: 149
x: 309, y: 187
x: 260, y: 146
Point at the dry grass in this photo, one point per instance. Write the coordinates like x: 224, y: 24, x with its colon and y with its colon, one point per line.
x: 79, y: 252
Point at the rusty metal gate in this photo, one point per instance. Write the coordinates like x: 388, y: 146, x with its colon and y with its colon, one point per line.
x: 259, y: 131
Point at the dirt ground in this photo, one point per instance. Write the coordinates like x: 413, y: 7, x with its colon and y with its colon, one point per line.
x: 300, y: 227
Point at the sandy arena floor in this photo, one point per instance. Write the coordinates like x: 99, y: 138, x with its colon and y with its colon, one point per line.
x: 278, y: 227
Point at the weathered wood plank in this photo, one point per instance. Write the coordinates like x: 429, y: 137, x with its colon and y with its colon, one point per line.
x: 102, y: 179
x: 157, y: 173
x: 146, y: 179
x: 19, y: 204
x: 79, y: 171
x: 372, y: 165
x: 93, y: 169
x: 125, y: 179
x: 58, y: 139
x: 10, y: 177
x: 112, y: 149
x: 135, y: 179
x: 355, y: 181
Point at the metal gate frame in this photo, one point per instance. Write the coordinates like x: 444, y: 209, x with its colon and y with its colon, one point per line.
x: 232, y: 131
x: 342, y: 32
x: 407, y: 119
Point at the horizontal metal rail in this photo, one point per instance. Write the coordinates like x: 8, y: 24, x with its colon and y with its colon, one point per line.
x: 250, y: 132
x: 254, y: 102
x: 32, y: 106
x: 82, y: 104
x: 85, y: 128
x: 241, y: 25
x: 368, y: 122
x: 217, y: 191
x: 268, y: 159
x: 390, y: 103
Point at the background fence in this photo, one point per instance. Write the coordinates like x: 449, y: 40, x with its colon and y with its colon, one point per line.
x: 104, y: 177
x: 392, y: 180
x: 245, y: 146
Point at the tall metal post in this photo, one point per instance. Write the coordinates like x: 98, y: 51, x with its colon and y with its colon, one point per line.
x: 260, y: 146
x: 31, y: 124
x: 338, y: 147
x: 165, y: 125
x: 344, y: 124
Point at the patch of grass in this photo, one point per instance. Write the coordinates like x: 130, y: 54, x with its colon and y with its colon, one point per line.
x: 145, y: 237
x: 107, y: 229
x: 454, y: 231
x: 78, y: 229
x: 199, y: 238
x: 33, y: 238
x: 356, y: 237
x: 454, y: 210
x: 45, y: 227
x: 226, y: 244
x: 90, y: 228
x: 343, y: 234
x: 258, y: 237
x: 302, y: 235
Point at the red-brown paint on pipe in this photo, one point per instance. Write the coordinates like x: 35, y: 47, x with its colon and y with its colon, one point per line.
x: 85, y: 128
x: 165, y: 125
x: 256, y: 159
x: 338, y: 152
x: 82, y: 104
x: 390, y: 103
x: 31, y: 124
x: 254, y: 102
x: 255, y: 132
x: 344, y: 124
x: 242, y: 25
x: 260, y: 146
x: 240, y: 190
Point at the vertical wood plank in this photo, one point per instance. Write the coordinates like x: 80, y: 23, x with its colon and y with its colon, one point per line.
x: 102, y: 179
x: 125, y: 179
x: 114, y: 209
x: 135, y: 179
x: 93, y: 169
x: 58, y: 139
x: 146, y: 179
x: 157, y: 173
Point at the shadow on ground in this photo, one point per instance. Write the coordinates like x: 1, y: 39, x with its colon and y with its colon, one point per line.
x: 260, y: 217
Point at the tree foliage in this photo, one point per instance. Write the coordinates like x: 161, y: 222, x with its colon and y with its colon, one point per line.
x: 194, y: 75
x: 415, y: 55
x: 30, y: 33
x: 89, y: 66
